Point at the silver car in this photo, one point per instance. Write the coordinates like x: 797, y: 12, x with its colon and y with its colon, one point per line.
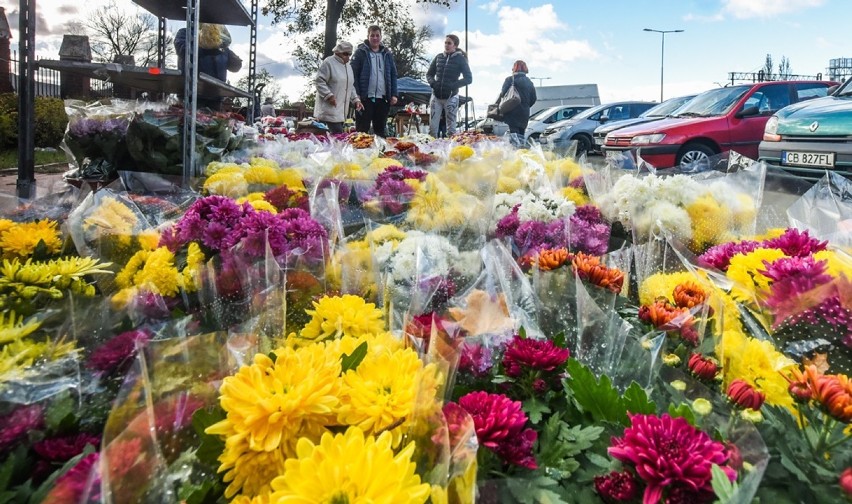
x: 581, y: 127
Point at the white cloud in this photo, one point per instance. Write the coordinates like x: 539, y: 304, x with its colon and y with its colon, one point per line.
x: 746, y: 9
x: 491, y: 7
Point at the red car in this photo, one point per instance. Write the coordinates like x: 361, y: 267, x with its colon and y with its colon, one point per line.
x: 715, y: 121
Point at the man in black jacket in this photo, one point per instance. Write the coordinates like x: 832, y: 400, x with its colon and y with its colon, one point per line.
x: 375, y: 82
x: 443, y: 76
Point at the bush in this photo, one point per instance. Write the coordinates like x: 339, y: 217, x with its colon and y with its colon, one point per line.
x: 50, y: 121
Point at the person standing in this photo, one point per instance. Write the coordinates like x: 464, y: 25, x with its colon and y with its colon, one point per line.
x: 213, y: 43
x: 268, y: 107
x: 375, y: 82
x: 518, y: 118
x: 335, y: 88
x: 443, y: 77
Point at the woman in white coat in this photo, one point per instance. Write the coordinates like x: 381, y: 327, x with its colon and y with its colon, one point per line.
x: 335, y: 85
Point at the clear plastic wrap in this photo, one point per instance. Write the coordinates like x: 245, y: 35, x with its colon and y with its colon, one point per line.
x: 95, y: 139
x: 825, y: 210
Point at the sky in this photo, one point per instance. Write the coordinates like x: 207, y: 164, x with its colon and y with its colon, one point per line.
x: 568, y: 41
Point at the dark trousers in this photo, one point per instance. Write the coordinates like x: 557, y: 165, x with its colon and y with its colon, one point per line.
x: 334, y: 127
x: 375, y: 113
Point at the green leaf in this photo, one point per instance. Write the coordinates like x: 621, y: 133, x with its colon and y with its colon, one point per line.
x: 44, y: 488
x: 351, y: 361
x: 636, y: 401
x: 722, y: 486
x: 205, y: 417
x: 535, y: 409
x: 60, y: 413
x: 598, y: 460
x: 559, y: 339
x: 682, y: 410
x: 539, y: 490
x: 210, y: 447
x: 579, y: 438
x: 597, y: 398
x: 522, y: 333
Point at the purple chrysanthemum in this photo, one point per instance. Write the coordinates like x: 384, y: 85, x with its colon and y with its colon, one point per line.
x: 209, y: 219
x: 256, y: 229
x: 509, y: 224
x: 589, y: 213
x: 18, y: 423
x: 475, y: 359
x: 394, y: 195
x: 62, y: 449
x: 110, y: 356
x: 589, y: 236
x: 305, y: 235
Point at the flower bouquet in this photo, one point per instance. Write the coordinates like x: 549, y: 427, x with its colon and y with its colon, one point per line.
x: 95, y: 140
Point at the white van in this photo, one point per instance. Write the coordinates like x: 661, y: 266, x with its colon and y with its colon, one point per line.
x: 545, y: 117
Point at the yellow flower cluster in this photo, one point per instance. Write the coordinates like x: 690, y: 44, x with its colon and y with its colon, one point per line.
x: 334, y: 317
x: 20, y: 239
x: 155, y: 271
x: 18, y: 352
x: 711, y: 222
x: 114, y: 220
x: 744, y: 270
x: 279, y: 407
x: 235, y: 181
x: 27, y: 280
x: 381, y: 164
x: 461, y: 152
x: 435, y: 207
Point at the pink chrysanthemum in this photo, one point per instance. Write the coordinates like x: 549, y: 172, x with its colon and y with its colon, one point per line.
x: 499, y: 423
x: 719, y: 256
x: 530, y: 354
x: 17, y: 424
x: 669, y: 453
x: 110, y: 356
x: 796, y: 243
x: 475, y: 359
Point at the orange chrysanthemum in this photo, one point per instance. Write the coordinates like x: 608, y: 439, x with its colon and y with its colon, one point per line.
x: 590, y: 269
x: 833, y: 392
x: 689, y: 295
x: 546, y: 260
x: 668, y: 317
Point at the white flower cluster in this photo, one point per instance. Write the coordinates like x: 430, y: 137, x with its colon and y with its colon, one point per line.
x: 420, y: 255
x: 545, y: 206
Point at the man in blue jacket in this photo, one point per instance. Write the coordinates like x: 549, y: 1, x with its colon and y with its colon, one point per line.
x: 375, y: 82
x: 443, y: 76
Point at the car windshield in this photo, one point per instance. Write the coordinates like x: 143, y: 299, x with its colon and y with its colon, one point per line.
x: 588, y: 112
x: 713, y: 102
x: 542, y: 114
x: 845, y: 89
x: 667, y: 107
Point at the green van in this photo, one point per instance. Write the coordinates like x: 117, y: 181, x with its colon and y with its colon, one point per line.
x: 811, y: 136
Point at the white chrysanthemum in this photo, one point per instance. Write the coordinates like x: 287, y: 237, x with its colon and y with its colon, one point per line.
x: 422, y: 255
x: 664, y: 215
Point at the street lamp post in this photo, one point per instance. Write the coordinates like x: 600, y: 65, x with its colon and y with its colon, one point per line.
x: 662, y: 53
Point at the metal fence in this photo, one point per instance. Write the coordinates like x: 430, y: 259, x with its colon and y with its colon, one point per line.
x: 47, y: 81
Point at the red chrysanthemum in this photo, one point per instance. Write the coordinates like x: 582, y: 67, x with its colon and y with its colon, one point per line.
x: 538, y: 355
x: 744, y: 395
x: 668, y: 453
x: 617, y: 487
x: 80, y: 484
x: 702, y: 367
x: 846, y: 481
x: 499, y: 423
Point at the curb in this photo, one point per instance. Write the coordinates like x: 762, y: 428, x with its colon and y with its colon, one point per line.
x: 5, y: 172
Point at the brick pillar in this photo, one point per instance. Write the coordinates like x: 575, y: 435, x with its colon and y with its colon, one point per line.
x: 75, y: 48
x: 5, y: 54
x: 119, y: 90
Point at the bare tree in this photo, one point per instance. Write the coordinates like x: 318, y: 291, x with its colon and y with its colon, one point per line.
x: 784, y: 69
x: 271, y: 88
x: 115, y: 32
x: 408, y: 44
x: 768, y: 68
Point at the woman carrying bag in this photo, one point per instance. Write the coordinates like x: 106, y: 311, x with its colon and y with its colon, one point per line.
x: 517, y: 117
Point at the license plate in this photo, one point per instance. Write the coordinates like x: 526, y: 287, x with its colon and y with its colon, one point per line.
x: 542, y: 140
x: 599, y: 141
x: 823, y: 159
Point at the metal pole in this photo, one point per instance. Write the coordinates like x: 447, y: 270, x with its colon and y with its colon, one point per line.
x: 25, y: 184
x: 252, y: 76
x: 190, y: 90
x: 466, y: 93
x: 662, y: 63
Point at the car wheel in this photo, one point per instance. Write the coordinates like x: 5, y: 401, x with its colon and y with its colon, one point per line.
x: 584, y: 144
x: 534, y: 136
x: 693, y: 152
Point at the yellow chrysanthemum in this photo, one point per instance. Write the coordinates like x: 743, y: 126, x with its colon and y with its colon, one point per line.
x: 6, y: 224
x: 350, y: 468
x: 111, y: 219
x: 507, y: 184
x: 21, y: 239
x: 14, y: 328
x: 194, y: 262
x: 249, y: 472
x: 436, y: 208
x: 381, y: 164
x: 381, y: 392
x: 292, y: 178
x: 251, y: 197
x: 575, y: 195
x: 218, y: 166
x: 152, y: 270
x: 337, y: 316
x: 262, y: 174
x: 663, y: 285
x: 263, y: 206
x: 385, y: 233
x: 351, y: 270
x: 710, y: 221
x: 226, y: 183
x: 273, y: 403
x: 259, y: 161
x: 257, y: 499
x: 149, y: 239
x: 352, y: 171
x: 745, y: 213
x: 758, y: 363
x: 210, y: 36
x: 744, y: 271
x: 461, y: 152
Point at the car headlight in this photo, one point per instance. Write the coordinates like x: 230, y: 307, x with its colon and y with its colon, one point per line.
x: 647, y: 139
x: 770, y: 132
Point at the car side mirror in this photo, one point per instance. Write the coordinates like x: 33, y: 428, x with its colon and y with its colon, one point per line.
x: 747, y: 112
x: 832, y: 89
x: 603, y: 119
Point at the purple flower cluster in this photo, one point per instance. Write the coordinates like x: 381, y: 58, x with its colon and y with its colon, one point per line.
x: 796, y: 243
x: 589, y: 231
x: 476, y: 359
x: 507, y: 226
x: 392, y: 191
x: 537, y: 235
x: 87, y: 127
x: 112, y: 355
x: 719, y: 256
x: 16, y: 425
x: 220, y: 224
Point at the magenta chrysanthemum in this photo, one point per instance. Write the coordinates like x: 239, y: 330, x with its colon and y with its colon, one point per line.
x: 531, y: 354
x: 499, y: 423
x: 18, y: 423
x: 796, y: 243
x: 719, y: 256
x: 668, y: 453
x: 617, y: 487
x: 111, y: 355
x: 208, y: 220
x: 61, y: 449
x: 475, y: 359
x: 80, y: 482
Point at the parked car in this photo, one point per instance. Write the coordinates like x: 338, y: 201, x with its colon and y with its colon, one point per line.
x: 545, y: 117
x: 492, y: 127
x: 811, y: 136
x: 715, y: 121
x: 661, y: 111
x: 580, y: 127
